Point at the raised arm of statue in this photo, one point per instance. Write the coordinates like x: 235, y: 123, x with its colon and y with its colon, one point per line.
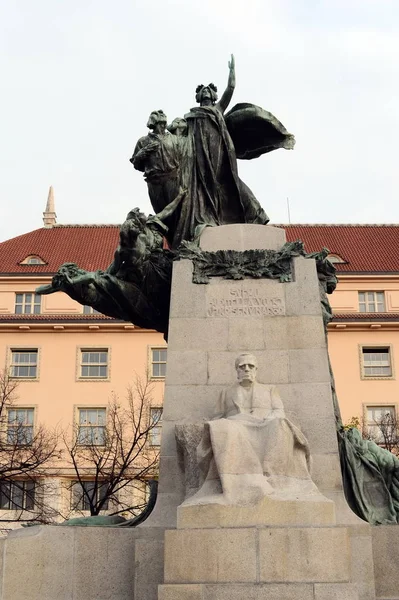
x: 231, y: 84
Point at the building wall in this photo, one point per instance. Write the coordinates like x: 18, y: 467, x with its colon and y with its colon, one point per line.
x: 58, y: 391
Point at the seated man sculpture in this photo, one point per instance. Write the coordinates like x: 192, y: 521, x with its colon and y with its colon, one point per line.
x: 250, y: 449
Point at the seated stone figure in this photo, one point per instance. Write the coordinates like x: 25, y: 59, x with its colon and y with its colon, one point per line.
x: 250, y: 449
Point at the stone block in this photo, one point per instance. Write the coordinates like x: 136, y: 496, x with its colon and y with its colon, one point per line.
x: 201, y: 334
x: 242, y: 237
x: 294, y: 332
x: 362, y: 571
x: 170, y: 476
x: 268, y: 591
x: 168, y: 441
x: 272, y: 367
x: 180, y: 592
x: 308, y: 400
x: 321, y: 435
x: 111, y: 568
x: 39, y: 561
x: 187, y: 299
x: 386, y: 560
x: 309, y: 365
x: 164, y: 513
x: 275, y: 333
x: 302, y: 295
x: 326, y: 471
x: 248, y: 298
x: 344, y: 515
x: 304, y: 554
x: 186, y: 367
x: 190, y: 403
x: 269, y: 511
x: 306, y: 331
x: 245, y: 335
x: 210, y: 555
x: 335, y: 591
x: 148, y: 569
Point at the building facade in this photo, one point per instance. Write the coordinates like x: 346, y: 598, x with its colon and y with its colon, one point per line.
x: 69, y: 361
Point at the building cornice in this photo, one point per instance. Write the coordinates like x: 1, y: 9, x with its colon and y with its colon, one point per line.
x: 52, y: 326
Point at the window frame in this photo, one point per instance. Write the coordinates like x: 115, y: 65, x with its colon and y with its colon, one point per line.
x: 78, y: 505
x: 375, y: 302
x: 88, y: 426
x: 157, y: 429
x: 16, y: 483
x: 24, y: 304
x: 151, y: 363
x: 23, y: 350
x: 79, y: 363
x: 376, y: 347
x: 376, y: 405
x: 10, y: 427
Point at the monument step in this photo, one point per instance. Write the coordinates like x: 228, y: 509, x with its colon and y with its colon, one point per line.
x: 263, y: 591
x: 315, y: 511
x: 250, y: 555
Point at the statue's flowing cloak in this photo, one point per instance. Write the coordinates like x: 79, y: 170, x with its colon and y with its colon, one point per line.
x: 216, y: 195
x: 255, y: 131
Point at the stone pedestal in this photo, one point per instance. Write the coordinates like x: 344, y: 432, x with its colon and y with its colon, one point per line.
x: 285, y: 551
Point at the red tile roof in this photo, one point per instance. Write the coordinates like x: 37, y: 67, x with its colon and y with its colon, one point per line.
x: 90, y: 246
x: 364, y: 248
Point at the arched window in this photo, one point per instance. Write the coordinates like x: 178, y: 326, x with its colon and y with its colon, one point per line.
x: 335, y: 258
x: 32, y: 259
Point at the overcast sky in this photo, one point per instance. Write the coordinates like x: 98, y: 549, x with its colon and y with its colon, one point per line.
x: 78, y: 79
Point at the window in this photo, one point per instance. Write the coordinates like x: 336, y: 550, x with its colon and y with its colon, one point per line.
x: 24, y: 363
x: 156, y: 426
x: 94, y: 364
x: 376, y: 362
x: 27, y: 304
x: 371, y: 302
x: 158, y: 362
x: 20, y: 426
x: 335, y: 259
x: 86, y: 492
x: 17, y: 495
x: 32, y: 260
x: 91, y: 426
x: 381, y: 423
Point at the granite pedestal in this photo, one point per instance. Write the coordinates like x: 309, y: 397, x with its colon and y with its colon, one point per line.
x: 279, y: 551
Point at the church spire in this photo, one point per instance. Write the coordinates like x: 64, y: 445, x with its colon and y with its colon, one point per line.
x: 49, y: 216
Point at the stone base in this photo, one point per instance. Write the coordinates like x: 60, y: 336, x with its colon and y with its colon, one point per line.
x: 315, y: 511
x: 268, y: 591
x: 252, y: 555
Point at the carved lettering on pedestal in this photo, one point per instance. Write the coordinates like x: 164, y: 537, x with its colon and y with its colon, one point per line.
x: 242, y: 302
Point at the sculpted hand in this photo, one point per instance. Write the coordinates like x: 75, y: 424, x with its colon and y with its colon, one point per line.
x: 151, y: 147
x: 232, y: 64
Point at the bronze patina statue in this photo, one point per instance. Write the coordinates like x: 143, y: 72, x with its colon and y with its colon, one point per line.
x: 200, y: 154
x: 191, y: 171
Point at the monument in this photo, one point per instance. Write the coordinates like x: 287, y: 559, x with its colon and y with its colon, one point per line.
x: 250, y: 501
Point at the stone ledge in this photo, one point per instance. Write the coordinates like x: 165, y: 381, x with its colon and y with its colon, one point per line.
x: 269, y: 511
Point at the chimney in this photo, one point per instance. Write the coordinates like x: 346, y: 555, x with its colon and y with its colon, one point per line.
x: 49, y: 216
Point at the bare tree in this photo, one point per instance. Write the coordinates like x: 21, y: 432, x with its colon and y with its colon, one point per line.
x: 113, y: 460
x: 26, y: 452
x: 384, y: 430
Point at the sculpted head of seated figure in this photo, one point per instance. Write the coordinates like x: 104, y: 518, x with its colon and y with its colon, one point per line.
x: 246, y: 367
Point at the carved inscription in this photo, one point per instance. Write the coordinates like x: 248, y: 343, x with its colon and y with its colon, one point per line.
x: 244, y: 302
